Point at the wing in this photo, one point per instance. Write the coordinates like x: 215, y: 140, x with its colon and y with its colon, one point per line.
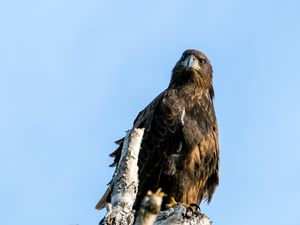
x: 160, y: 121
x: 162, y: 138
x: 211, y: 142
x: 201, y: 135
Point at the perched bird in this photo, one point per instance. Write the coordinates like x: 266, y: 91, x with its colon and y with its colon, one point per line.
x: 180, y: 150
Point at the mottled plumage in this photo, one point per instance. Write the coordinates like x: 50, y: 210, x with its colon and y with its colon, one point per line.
x: 180, y: 150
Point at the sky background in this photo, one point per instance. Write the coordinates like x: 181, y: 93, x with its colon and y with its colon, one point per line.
x: 74, y: 74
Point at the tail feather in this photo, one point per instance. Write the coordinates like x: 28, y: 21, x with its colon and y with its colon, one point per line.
x: 104, y: 199
x: 107, y: 195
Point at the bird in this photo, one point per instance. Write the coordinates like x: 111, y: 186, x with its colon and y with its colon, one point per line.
x: 180, y: 149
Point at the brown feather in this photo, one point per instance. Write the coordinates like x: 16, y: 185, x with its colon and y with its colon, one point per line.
x: 104, y: 199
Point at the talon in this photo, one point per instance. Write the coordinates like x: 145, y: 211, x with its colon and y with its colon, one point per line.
x: 198, y: 213
x: 172, y: 203
x: 196, y: 206
x: 192, y: 209
x: 189, y: 212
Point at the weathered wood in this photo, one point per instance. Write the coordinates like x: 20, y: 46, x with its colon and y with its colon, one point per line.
x: 178, y: 215
x: 150, y: 208
x: 125, y: 182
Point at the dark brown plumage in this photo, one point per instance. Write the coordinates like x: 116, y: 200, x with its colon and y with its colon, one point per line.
x: 180, y: 150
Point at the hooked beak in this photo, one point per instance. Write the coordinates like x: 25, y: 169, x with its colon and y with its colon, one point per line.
x: 191, y: 62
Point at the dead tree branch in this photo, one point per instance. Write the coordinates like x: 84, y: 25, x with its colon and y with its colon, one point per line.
x: 125, y: 182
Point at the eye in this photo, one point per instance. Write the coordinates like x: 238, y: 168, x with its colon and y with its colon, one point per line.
x: 183, y: 56
x: 203, y: 61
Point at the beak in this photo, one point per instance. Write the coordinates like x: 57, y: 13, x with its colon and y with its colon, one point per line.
x: 191, y: 62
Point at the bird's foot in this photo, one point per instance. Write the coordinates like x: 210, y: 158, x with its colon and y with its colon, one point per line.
x: 191, y: 209
x: 173, y: 203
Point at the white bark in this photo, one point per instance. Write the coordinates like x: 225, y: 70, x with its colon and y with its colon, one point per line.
x: 125, y: 180
x: 177, y: 215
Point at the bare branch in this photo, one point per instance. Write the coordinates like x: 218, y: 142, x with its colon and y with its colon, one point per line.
x: 150, y: 208
x: 177, y: 215
x: 125, y: 181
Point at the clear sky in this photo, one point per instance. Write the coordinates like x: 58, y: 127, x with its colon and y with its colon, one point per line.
x: 74, y: 74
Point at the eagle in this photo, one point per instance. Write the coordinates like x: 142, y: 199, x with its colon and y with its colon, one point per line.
x: 180, y: 149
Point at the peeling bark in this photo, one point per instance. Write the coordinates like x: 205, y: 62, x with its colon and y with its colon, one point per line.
x: 125, y: 182
x: 177, y: 215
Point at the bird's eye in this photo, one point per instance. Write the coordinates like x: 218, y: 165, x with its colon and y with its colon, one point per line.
x: 183, y: 56
x: 202, y: 61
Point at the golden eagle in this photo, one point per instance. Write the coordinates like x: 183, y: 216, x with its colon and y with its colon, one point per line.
x: 179, y: 151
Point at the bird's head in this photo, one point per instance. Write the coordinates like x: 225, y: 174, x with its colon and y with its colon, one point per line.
x: 193, y: 67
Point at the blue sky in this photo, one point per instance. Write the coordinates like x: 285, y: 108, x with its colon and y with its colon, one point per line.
x: 74, y: 74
